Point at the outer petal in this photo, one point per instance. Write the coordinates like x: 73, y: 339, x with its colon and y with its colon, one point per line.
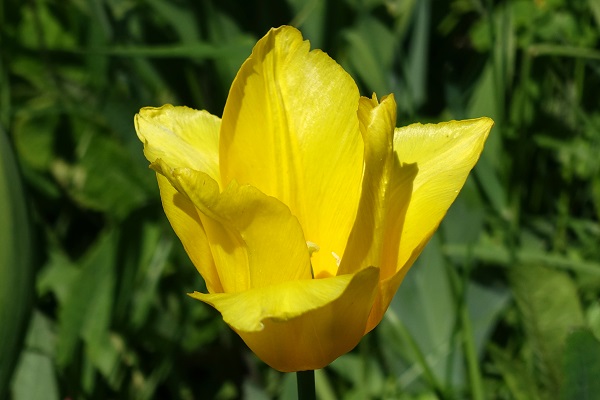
x: 444, y: 154
x: 300, y: 325
x: 290, y: 129
x: 254, y: 239
x: 186, y: 223
x: 180, y: 136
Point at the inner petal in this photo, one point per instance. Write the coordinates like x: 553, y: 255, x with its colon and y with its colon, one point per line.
x: 290, y: 129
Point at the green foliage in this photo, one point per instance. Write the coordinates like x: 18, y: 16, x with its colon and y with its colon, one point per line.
x: 581, y: 366
x: 503, y: 302
x: 16, y: 263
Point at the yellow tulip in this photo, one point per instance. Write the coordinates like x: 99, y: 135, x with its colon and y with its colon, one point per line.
x: 303, y: 207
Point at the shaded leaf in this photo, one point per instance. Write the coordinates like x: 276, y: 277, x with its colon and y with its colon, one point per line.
x: 16, y: 263
x: 549, y: 305
x: 581, y: 366
x: 86, y: 294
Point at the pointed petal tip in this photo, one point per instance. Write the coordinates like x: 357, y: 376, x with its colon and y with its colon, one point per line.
x: 281, y: 96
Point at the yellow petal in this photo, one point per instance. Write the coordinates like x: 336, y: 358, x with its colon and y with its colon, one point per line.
x: 254, y: 239
x: 443, y: 155
x: 180, y: 136
x: 300, y: 325
x: 290, y: 129
x: 184, y: 219
x: 379, y: 197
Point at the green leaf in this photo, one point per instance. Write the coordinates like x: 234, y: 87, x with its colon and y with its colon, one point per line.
x: 420, y: 328
x: 425, y: 305
x: 39, y: 29
x: 549, y: 304
x: 57, y: 276
x: 105, y: 178
x: 154, y: 254
x: 33, y: 133
x: 416, y: 62
x: 516, y: 378
x: 371, y: 50
x: 581, y: 366
x: 180, y: 19
x: 463, y: 224
x: 87, y: 296
x: 223, y: 31
x: 35, y: 376
x: 362, y: 372
x: 16, y: 263
x: 309, y: 16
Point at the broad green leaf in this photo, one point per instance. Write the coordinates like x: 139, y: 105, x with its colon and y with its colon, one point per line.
x: 485, y: 95
x: 581, y: 366
x: 361, y: 372
x: 34, y: 135
x: 57, y: 276
x: 371, y: 48
x: 416, y: 61
x: 35, y: 376
x: 87, y: 295
x: 549, y: 305
x: 427, y: 306
x: 223, y: 31
x: 463, y: 224
x: 105, y: 178
x: 485, y: 306
x: 154, y: 255
x: 420, y: 325
x: 37, y: 19
x: 16, y: 262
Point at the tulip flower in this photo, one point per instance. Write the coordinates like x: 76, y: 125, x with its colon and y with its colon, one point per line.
x: 304, y: 206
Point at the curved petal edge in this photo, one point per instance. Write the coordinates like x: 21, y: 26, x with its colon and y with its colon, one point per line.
x: 300, y: 325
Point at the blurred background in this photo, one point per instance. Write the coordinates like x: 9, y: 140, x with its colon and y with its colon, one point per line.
x: 502, y: 304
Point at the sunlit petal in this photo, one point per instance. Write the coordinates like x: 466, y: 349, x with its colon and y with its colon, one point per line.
x: 180, y: 136
x: 290, y: 129
x: 444, y: 154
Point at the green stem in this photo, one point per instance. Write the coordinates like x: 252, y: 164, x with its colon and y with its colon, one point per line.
x: 474, y: 371
x: 306, y: 385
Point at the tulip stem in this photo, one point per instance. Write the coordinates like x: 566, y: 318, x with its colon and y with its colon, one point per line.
x: 306, y: 385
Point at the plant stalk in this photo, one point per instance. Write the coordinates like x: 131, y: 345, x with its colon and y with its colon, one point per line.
x: 306, y: 385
